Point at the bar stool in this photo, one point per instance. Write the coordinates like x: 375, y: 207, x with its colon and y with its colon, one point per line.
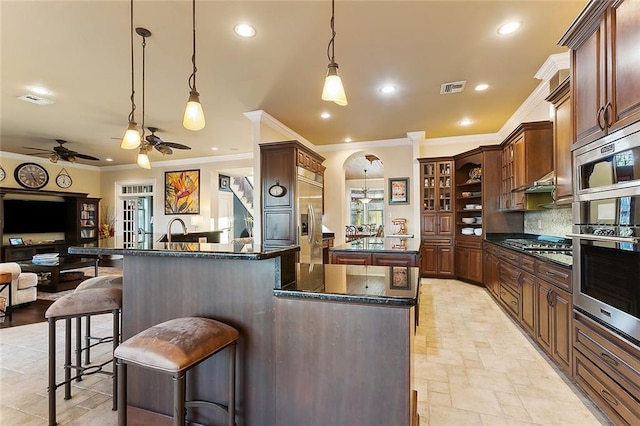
x: 105, y: 281
x: 76, y: 305
x: 174, y: 347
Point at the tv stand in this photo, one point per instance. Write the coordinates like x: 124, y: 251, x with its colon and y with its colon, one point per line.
x: 26, y: 252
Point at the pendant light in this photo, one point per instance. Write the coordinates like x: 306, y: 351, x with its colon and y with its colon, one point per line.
x: 193, y: 114
x: 365, y: 199
x: 333, y: 89
x: 131, y: 139
x: 143, y: 159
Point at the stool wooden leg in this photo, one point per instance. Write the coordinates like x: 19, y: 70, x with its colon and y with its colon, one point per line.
x: 179, y: 394
x: 52, y: 372
x: 122, y: 393
x: 232, y: 384
x: 67, y: 358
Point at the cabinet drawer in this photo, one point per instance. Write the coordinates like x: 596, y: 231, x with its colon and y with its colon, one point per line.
x: 510, y: 276
x: 350, y: 258
x: 599, y: 345
x: 491, y: 248
x: 509, y: 256
x: 556, y: 275
x: 394, y: 260
x: 509, y: 299
x: 528, y: 263
x: 611, y: 397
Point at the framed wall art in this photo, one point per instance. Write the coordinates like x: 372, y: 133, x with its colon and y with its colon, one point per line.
x: 399, y: 190
x: 224, y: 183
x: 400, y: 278
x: 182, y: 192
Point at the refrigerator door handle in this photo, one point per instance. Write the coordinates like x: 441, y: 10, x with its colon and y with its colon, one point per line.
x: 311, y: 224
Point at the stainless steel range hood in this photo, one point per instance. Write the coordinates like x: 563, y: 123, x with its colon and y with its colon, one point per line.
x: 546, y: 183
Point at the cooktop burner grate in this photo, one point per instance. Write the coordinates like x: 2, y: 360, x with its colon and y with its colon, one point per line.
x: 533, y: 244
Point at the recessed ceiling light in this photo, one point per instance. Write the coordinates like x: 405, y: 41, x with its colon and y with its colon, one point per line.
x: 347, y: 140
x: 40, y: 90
x: 482, y: 87
x: 108, y: 159
x: 465, y: 122
x: 508, y: 28
x: 244, y: 30
x: 214, y: 148
x: 325, y: 115
x: 389, y: 88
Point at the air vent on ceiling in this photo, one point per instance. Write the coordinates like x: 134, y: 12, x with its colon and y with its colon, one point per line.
x: 35, y: 99
x: 453, y: 87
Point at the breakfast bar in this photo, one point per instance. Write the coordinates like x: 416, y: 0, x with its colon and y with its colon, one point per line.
x: 303, y: 332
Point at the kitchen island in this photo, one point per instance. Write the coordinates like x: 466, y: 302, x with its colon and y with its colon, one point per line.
x: 304, y: 330
x: 388, y: 251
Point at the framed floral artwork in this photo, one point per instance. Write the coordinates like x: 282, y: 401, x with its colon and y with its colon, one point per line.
x: 182, y: 192
x: 399, y: 190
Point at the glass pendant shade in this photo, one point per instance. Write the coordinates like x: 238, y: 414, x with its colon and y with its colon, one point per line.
x: 193, y: 114
x: 365, y: 200
x: 131, y: 139
x: 333, y: 89
x: 143, y: 159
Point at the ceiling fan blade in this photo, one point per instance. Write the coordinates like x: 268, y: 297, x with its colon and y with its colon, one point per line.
x: 38, y: 149
x: 165, y: 150
x: 175, y: 145
x: 85, y: 157
x: 153, y: 139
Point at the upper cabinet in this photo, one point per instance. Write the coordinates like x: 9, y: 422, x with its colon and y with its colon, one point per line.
x: 604, y: 44
x: 562, y: 141
x: 437, y: 200
x: 526, y: 157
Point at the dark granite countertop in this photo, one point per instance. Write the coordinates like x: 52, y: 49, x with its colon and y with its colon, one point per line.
x: 379, y: 285
x: 381, y: 245
x: 194, y: 250
x: 558, y: 257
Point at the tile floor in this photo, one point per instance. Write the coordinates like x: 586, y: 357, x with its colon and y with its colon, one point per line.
x: 473, y: 366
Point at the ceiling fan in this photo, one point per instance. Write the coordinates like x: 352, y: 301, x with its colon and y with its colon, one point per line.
x: 62, y: 153
x: 162, y: 146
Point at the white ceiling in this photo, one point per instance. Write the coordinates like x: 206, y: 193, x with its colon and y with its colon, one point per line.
x: 80, y: 51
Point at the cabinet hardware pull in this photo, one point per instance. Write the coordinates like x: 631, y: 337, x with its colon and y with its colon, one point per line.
x: 513, y: 302
x: 608, y: 109
x: 609, y: 359
x: 608, y: 397
x: 600, y: 116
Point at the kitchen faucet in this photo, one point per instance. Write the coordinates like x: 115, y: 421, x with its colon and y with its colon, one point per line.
x: 184, y: 227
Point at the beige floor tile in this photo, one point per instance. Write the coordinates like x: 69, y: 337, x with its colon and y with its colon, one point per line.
x: 517, y: 412
x: 478, y: 400
x: 443, y: 416
x: 489, y: 420
x: 439, y: 399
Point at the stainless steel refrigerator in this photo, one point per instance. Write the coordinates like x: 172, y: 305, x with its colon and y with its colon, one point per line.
x: 309, y: 215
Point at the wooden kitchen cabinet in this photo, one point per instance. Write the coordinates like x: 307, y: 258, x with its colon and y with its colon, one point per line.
x: 527, y: 156
x: 437, y: 217
x: 528, y: 302
x: 604, y: 62
x: 468, y: 260
x: 554, y: 323
x: 562, y: 142
x: 490, y: 268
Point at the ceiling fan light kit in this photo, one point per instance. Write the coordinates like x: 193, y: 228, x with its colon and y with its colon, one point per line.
x: 131, y: 139
x: 333, y: 89
x: 193, y: 118
x: 143, y: 158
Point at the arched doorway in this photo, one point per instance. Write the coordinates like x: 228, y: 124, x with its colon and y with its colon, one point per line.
x: 364, y: 188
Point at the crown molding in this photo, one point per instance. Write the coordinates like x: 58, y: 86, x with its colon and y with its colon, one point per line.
x: 183, y: 162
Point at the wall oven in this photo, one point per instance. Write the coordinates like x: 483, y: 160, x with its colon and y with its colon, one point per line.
x: 606, y: 231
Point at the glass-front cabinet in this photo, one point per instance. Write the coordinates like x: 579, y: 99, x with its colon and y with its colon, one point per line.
x: 437, y: 216
x: 88, y: 221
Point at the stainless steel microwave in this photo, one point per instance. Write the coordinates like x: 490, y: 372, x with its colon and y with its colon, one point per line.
x: 609, y: 164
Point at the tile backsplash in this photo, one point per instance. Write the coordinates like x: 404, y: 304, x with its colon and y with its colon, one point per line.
x: 555, y: 222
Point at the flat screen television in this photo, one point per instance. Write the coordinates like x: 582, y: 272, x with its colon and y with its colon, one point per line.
x: 33, y: 216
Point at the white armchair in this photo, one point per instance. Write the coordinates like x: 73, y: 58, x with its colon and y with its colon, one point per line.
x: 23, y: 284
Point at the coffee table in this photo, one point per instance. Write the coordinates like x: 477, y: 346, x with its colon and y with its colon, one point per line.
x: 65, y: 263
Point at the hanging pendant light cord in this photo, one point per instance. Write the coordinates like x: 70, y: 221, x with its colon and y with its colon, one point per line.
x: 192, y: 77
x: 144, y: 56
x: 331, y: 45
x: 133, y: 92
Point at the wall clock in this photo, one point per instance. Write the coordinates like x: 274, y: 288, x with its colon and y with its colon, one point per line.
x: 277, y: 190
x: 3, y: 174
x: 63, y: 180
x: 31, y: 175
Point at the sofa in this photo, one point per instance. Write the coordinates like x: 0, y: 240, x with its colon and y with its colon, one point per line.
x: 23, y: 284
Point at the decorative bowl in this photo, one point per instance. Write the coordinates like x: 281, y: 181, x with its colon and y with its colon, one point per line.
x: 478, y: 231
x: 468, y: 220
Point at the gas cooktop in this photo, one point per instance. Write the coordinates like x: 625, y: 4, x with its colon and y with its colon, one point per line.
x: 538, y: 244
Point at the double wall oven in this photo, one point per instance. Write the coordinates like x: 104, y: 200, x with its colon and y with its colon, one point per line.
x: 606, y: 231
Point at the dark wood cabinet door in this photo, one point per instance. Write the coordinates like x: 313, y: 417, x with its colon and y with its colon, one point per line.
x: 562, y: 342
x: 445, y: 261
x: 429, y: 224
x: 623, y: 88
x: 563, y: 140
x: 589, y: 86
x: 528, y: 298
x: 445, y: 224
x: 429, y: 260
x: 543, y: 313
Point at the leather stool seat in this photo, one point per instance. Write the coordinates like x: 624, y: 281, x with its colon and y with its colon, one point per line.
x: 174, y: 347
x: 105, y: 281
x: 76, y: 305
